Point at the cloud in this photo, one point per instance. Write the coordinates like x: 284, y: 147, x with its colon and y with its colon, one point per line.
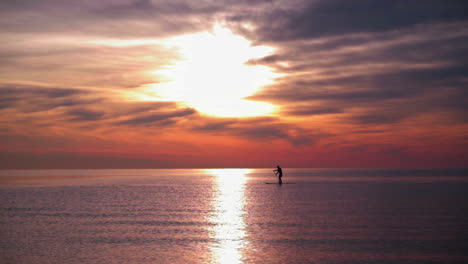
x: 371, y: 118
x: 338, y: 17
x: 85, y: 115
x: 159, y: 117
x: 29, y: 98
x: 72, y: 61
x: 309, y: 110
x: 38, y: 107
x: 16, y: 90
x: 420, y: 69
x: 217, y: 125
x: 359, y: 70
x: 259, y: 129
x: 121, y: 18
x: 278, y: 131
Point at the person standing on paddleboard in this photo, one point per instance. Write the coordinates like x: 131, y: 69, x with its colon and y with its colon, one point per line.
x: 279, y: 172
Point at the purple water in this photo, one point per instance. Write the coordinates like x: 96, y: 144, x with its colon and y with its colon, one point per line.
x: 232, y: 216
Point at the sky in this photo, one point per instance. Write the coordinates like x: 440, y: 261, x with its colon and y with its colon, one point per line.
x: 227, y: 84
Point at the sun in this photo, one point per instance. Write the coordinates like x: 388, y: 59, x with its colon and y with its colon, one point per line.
x: 212, y: 75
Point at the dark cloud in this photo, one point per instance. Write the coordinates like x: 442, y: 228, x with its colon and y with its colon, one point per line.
x: 36, y: 98
x: 31, y: 99
x: 122, y: 19
x: 58, y: 92
x: 267, y: 131
x: 259, y: 129
x: 290, y: 133
x: 20, y: 90
x: 422, y: 70
x: 158, y: 117
x: 338, y: 17
x: 387, y: 97
x: 217, y: 124
x: 7, y: 102
x: 39, y: 107
x: 25, y: 98
x: 138, y: 107
x: 85, y: 115
x: 146, y: 8
x: 307, y: 110
x: 316, y: 93
x: 375, y: 118
x: 214, y: 125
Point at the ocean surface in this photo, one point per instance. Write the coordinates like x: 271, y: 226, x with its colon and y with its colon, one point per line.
x: 231, y: 216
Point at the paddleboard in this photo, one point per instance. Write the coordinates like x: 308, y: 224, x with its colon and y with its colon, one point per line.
x: 279, y: 183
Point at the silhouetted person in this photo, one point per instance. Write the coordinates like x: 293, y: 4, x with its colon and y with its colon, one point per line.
x: 279, y: 172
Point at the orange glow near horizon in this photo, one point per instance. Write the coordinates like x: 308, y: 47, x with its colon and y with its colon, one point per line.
x: 229, y: 204
x: 212, y: 75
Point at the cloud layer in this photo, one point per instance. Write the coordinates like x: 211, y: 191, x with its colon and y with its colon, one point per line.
x: 364, y: 83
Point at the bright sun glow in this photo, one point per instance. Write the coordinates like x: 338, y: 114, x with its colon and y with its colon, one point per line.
x: 212, y: 75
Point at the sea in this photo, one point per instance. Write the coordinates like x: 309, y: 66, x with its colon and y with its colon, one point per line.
x: 231, y: 216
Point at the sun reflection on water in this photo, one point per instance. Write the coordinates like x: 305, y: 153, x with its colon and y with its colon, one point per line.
x: 229, y: 230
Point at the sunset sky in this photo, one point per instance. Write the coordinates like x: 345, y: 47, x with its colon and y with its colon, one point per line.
x: 204, y: 83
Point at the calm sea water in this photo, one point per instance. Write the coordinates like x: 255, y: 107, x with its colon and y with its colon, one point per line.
x: 232, y: 216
